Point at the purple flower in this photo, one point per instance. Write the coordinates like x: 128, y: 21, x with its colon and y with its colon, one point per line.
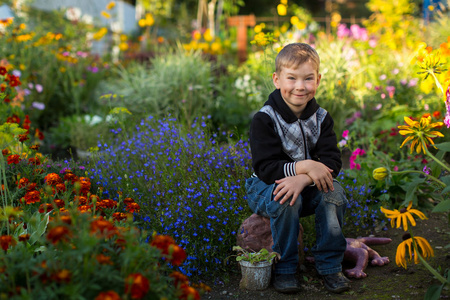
x: 39, y: 88
x: 38, y: 105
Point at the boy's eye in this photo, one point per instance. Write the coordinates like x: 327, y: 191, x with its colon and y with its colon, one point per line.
x: 291, y: 78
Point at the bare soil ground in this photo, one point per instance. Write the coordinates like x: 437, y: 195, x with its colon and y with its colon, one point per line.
x: 386, y: 282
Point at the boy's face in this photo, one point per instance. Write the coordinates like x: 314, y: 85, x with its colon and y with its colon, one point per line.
x: 297, y: 86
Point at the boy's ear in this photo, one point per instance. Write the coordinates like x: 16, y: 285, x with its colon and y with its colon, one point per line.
x: 319, y: 76
x: 275, y: 80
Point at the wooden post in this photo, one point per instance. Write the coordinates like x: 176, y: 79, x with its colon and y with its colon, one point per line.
x: 242, y: 22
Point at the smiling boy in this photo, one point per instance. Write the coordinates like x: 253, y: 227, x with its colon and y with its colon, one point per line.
x: 295, y: 160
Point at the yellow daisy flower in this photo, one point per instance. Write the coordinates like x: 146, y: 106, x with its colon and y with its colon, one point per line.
x: 402, y: 216
x: 422, y: 245
x: 420, y: 133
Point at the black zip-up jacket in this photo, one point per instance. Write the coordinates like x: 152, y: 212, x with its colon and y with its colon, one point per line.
x: 278, y: 139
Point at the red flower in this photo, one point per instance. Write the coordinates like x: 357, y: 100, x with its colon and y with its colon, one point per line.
x: 34, y: 161
x: 24, y: 237
x: 104, y: 259
x: 3, y: 71
x: 60, y: 203
x: 162, y: 242
x: 128, y: 200
x: 108, y: 295
x: 188, y: 292
x: 13, y: 159
x: 85, y: 185
x: 60, y: 187
x: 45, y: 207
x: 23, y: 137
x: 437, y: 114
x: 39, y: 134
x: 136, y: 285
x: 32, y: 187
x: 52, y: 179
x: 133, y: 207
x: 6, y: 241
x: 6, y: 152
x: 58, y: 233
x: 103, y: 227
x: 119, y: 216
x: 62, y: 276
x: 179, y: 278
x: 13, y: 119
x: 178, y: 255
x: 23, y: 182
x: 69, y: 176
x: 35, y: 147
x: 32, y: 197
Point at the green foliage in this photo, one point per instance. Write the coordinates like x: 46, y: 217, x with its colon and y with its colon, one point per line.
x: 178, y: 83
x: 254, y: 257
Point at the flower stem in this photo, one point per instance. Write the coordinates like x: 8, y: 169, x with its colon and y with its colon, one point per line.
x: 426, y: 264
x: 438, y: 161
x: 422, y: 173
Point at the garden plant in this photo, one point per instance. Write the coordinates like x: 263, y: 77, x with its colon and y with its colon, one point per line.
x: 153, y: 210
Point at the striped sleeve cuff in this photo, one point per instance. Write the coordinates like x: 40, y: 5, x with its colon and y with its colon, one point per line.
x: 289, y: 169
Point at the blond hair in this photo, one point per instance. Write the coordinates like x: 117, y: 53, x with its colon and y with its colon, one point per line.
x: 293, y: 55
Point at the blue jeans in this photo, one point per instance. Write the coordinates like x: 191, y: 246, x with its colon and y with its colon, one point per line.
x: 329, y: 209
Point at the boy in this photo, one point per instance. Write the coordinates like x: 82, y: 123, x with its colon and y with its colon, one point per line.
x: 295, y: 159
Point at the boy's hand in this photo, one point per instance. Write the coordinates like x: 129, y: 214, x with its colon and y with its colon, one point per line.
x: 321, y: 176
x: 319, y: 173
x: 290, y: 187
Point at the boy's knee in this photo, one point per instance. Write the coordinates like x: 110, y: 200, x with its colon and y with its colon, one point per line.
x: 337, y: 196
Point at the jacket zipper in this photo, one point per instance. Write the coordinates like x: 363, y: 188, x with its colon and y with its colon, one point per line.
x: 304, y: 140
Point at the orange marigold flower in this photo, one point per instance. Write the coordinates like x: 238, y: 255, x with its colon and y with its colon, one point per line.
x: 108, y: 295
x: 84, y: 208
x: 60, y: 187
x: 82, y: 200
x: 103, y: 227
x: 119, y: 216
x: 32, y: 187
x: 58, y: 233
x: 39, y: 134
x: 34, y: 147
x: 128, y: 200
x: 34, y: 161
x: 162, y: 242
x: 189, y: 293
x: 62, y: 276
x: 3, y: 71
x: 32, y: 197
x: 23, y: 182
x: 6, y: 241
x: 45, y: 207
x: 107, y: 203
x: 136, y: 285
x: 179, y: 278
x: 23, y: 137
x: 6, y: 152
x: 13, y: 159
x: 69, y: 176
x: 133, y: 207
x: 66, y: 219
x: 437, y: 114
x: 59, y: 203
x: 178, y: 255
x: 24, y: 237
x: 85, y: 185
x: 104, y: 259
x: 52, y: 179
x: 13, y: 119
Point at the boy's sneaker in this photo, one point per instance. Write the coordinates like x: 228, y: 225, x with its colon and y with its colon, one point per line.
x: 336, y: 283
x: 286, y: 283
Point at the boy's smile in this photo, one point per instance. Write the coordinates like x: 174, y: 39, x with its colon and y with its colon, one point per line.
x: 297, y: 85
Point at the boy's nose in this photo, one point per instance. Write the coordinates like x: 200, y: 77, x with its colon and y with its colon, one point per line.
x: 299, y: 85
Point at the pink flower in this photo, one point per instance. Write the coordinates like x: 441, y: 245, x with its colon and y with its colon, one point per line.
x: 345, y: 134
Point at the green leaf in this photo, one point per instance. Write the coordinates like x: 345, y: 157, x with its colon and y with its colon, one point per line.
x: 443, y: 146
x: 411, y: 189
x: 433, y: 292
x: 443, y: 206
